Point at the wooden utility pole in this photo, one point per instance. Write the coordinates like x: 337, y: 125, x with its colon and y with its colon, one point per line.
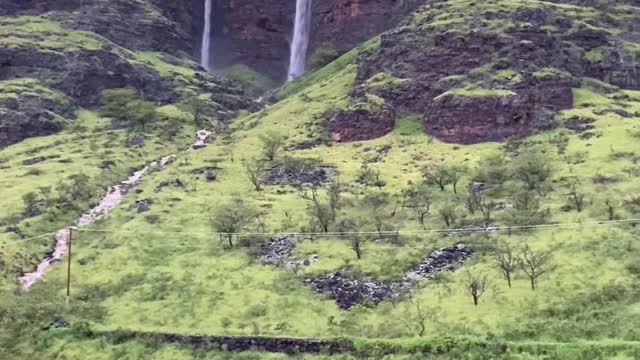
x: 69, y: 263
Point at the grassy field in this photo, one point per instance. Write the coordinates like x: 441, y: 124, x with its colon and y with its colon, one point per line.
x: 165, y: 270
x: 176, y: 276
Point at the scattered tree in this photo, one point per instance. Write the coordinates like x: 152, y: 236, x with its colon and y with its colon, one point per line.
x: 437, y: 175
x: 474, y: 199
x: 322, y: 211
x: 526, y: 210
x: 418, y: 199
x: 417, y: 318
x: 455, y: 174
x: 231, y: 218
x: 127, y: 109
x: 486, y: 208
x: 493, y: 170
x: 371, y: 177
x: 611, y: 211
x: 271, y: 143
x: 449, y: 213
x: 507, y: 261
x: 139, y: 114
x: 476, y: 284
x: 377, y: 209
x: 575, y: 197
x: 532, y: 168
x: 535, y: 264
x: 72, y: 194
x: 32, y: 204
x: 356, y: 241
x: 255, y: 171
x: 197, y: 106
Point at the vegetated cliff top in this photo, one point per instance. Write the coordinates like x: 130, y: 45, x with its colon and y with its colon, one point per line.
x: 80, y: 48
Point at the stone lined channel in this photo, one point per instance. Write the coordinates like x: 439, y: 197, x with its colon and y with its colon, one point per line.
x: 109, y: 202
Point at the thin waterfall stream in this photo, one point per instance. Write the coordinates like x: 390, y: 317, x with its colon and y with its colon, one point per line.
x: 205, y: 49
x: 300, y: 41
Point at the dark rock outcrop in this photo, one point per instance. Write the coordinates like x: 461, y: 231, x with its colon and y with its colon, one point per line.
x: 240, y: 343
x: 474, y: 84
x: 348, y: 291
x: 278, y: 251
x: 579, y: 124
x: 175, y: 183
x: 298, y: 172
x: 27, y: 110
x: 473, y: 119
x: 369, y: 119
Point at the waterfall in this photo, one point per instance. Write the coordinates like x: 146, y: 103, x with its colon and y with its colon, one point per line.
x: 206, y: 36
x: 300, y: 42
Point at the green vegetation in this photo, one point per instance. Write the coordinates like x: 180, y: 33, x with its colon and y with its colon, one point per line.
x: 254, y: 83
x: 323, y: 54
x: 553, y: 275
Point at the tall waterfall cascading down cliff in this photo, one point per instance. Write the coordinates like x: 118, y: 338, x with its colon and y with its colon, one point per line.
x: 300, y: 41
x: 206, y: 37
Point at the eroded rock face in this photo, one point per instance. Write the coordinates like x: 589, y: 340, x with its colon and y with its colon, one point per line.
x: 28, y: 110
x: 537, y: 59
x: 259, y: 36
x: 363, y: 121
x: 474, y: 119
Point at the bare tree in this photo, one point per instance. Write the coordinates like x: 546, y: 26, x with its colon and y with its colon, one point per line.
x: 418, y: 317
x: 473, y: 200
x: 419, y: 200
x: 610, y: 209
x: 349, y: 225
x: 507, y: 261
x: 486, y: 208
x: 455, y: 173
x: 323, y: 211
x: 574, y: 196
x: 535, y: 264
x: 437, y: 175
x: 449, y: 213
x: 476, y: 284
x: 271, y: 143
x: 255, y: 170
x: 377, y: 207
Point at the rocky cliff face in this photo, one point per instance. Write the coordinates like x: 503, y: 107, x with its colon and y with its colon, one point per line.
x: 77, y: 49
x: 494, y: 71
x: 259, y: 36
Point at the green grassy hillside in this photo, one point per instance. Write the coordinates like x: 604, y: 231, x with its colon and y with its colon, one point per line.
x: 567, y: 194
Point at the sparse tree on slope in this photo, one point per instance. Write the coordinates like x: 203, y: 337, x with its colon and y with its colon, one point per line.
x: 232, y: 218
x: 535, y: 264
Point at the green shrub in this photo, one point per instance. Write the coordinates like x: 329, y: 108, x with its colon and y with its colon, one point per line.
x: 323, y: 55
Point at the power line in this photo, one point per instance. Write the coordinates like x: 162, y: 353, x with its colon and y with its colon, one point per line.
x: 29, y: 239
x: 489, y: 229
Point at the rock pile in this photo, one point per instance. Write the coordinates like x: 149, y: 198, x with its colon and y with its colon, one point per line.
x: 446, y: 259
x: 277, y: 251
x: 348, y: 291
x: 302, y: 175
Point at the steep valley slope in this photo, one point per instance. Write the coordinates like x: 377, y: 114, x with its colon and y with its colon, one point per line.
x: 377, y: 199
